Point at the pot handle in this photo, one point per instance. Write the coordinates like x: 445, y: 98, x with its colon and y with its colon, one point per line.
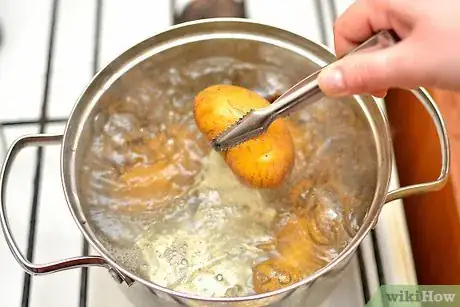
x: 31, y: 268
x: 424, y: 97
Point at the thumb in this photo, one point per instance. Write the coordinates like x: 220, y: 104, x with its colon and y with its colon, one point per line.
x: 369, y: 72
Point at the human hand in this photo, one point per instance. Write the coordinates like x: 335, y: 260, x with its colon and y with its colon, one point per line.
x: 428, y: 55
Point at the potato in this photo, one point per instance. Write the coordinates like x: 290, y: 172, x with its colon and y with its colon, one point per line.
x: 173, y: 160
x: 295, y: 244
x: 327, y: 205
x: 262, y: 162
x: 273, y: 274
x: 142, y: 177
x: 147, y: 184
x: 295, y: 256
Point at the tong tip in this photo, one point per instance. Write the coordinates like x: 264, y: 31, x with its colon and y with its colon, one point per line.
x: 247, y: 127
x: 217, y: 145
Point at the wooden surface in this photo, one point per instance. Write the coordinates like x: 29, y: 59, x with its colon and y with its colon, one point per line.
x: 433, y: 219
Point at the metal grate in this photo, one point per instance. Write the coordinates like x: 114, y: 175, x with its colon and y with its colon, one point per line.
x: 370, y: 270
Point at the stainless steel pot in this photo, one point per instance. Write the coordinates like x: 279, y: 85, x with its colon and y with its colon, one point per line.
x: 201, y: 39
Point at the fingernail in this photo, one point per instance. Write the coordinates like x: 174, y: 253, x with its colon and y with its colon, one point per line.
x: 380, y: 94
x: 331, y: 81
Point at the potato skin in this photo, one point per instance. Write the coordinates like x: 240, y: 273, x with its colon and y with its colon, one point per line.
x: 273, y: 274
x: 165, y: 171
x: 294, y: 257
x: 262, y: 162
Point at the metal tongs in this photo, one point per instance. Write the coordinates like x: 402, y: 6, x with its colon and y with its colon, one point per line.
x: 303, y: 94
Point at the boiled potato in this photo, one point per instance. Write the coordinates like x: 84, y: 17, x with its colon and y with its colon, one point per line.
x: 273, y: 274
x: 173, y: 159
x: 295, y: 256
x: 143, y: 181
x: 296, y: 245
x: 262, y: 162
x: 326, y: 204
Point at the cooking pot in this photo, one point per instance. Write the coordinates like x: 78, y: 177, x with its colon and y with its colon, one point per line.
x: 242, y: 39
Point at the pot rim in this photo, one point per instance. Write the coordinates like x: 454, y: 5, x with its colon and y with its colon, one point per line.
x: 123, y: 63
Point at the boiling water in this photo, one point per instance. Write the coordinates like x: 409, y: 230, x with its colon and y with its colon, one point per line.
x: 169, y: 209
x: 208, y: 245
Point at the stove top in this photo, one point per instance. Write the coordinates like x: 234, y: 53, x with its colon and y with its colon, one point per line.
x: 50, y: 50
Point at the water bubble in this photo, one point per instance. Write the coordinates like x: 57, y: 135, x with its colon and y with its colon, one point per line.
x: 233, y: 291
x: 183, y: 248
x: 219, y: 277
x: 262, y: 277
x: 284, y: 278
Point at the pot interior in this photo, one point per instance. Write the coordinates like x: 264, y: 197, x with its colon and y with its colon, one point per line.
x: 169, y: 210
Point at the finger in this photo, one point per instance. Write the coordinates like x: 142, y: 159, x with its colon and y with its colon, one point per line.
x: 353, y: 26
x: 371, y: 72
x: 366, y: 17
